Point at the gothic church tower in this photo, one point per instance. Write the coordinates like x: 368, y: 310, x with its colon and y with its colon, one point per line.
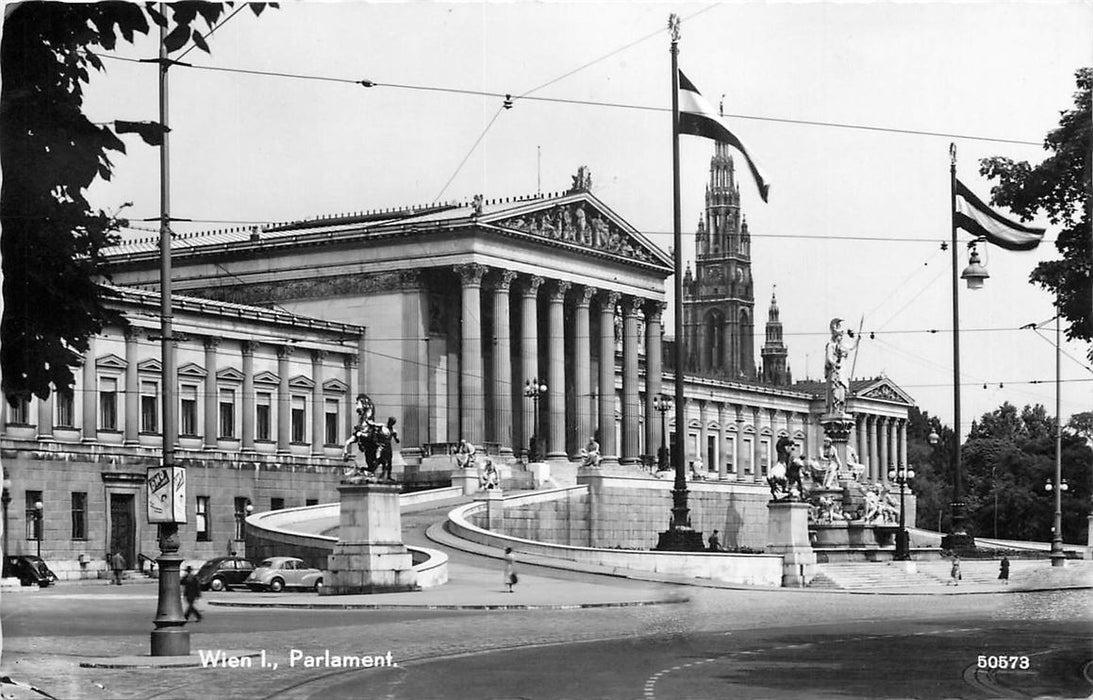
x: 775, y: 367
x: 718, y: 299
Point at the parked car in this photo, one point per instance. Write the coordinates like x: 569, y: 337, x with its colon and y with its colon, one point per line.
x: 278, y: 573
x: 224, y: 572
x: 30, y: 570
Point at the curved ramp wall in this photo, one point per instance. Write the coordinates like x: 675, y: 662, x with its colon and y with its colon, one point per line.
x: 298, y: 532
x: 485, y: 522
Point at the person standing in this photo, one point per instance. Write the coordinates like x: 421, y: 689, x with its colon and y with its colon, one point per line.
x: 955, y: 571
x: 191, y: 591
x: 1004, y: 570
x: 510, y: 569
x: 117, y: 566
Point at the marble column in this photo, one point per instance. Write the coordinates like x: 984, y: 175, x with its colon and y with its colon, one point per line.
x: 318, y: 405
x: 654, y: 372
x: 631, y: 403
x: 903, y: 443
x: 351, y: 365
x: 502, y: 363
x: 757, y: 448
x: 284, y: 400
x: 874, y: 454
x: 471, y: 395
x: 703, y: 435
x: 556, y: 448
x: 89, y: 376
x: 722, y: 440
x: 529, y: 352
x: 738, y: 443
x: 132, y: 388
x: 893, y: 445
x: 882, y: 464
x: 863, y: 443
x: 211, y: 346
x: 247, y: 419
x: 608, y: 448
x: 583, y: 360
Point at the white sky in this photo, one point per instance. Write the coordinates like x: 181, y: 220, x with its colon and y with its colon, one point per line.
x: 253, y: 148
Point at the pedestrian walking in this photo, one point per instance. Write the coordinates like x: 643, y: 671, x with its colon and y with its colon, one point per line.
x: 191, y: 591
x: 510, y: 569
x: 1004, y: 570
x: 117, y: 565
x: 955, y: 572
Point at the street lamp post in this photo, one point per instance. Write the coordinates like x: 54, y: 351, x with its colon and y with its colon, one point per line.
x: 1058, y: 558
x: 662, y: 404
x: 903, y: 540
x: 534, y: 390
x: 38, y: 507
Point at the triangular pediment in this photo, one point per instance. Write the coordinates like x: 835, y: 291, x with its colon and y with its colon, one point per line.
x: 336, y: 385
x: 266, y: 377
x: 150, y: 365
x: 110, y: 361
x: 301, y: 382
x: 191, y: 369
x: 884, y: 389
x: 229, y: 374
x: 581, y: 221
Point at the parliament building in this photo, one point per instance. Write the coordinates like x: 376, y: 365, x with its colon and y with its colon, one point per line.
x: 444, y: 314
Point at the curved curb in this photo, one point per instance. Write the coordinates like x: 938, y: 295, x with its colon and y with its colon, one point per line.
x: 443, y: 606
x: 191, y: 660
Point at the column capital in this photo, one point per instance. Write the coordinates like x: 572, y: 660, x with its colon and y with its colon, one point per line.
x: 608, y: 299
x: 503, y: 281
x: 212, y: 343
x: 318, y: 355
x: 350, y: 361
x: 247, y: 347
x: 654, y: 310
x: 284, y: 352
x: 584, y: 296
x: 531, y: 285
x: 470, y: 274
x: 133, y: 334
x: 558, y: 290
x: 631, y: 306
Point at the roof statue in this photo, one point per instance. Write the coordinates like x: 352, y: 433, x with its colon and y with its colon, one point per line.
x: 582, y: 181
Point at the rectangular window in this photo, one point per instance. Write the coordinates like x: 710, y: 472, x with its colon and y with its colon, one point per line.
x: 241, y: 503
x: 34, y: 511
x: 201, y: 519
x: 149, y: 407
x: 276, y: 503
x: 187, y: 416
x: 764, y: 455
x: 66, y: 409
x: 730, y: 454
x: 746, y: 452
x: 19, y: 414
x: 108, y: 403
x: 79, y: 515
x: 227, y: 413
x: 311, y: 502
x: 299, y: 419
x: 263, y: 415
x: 331, y: 422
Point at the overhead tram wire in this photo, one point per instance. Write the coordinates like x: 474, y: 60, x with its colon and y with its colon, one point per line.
x: 468, y: 156
x: 588, y: 103
x: 213, y: 30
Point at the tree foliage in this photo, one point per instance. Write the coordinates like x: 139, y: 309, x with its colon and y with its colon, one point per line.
x: 1007, y: 460
x: 1062, y: 187
x: 933, y: 484
x: 50, y: 153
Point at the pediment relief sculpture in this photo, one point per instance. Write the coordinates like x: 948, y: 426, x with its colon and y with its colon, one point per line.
x: 580, y: 224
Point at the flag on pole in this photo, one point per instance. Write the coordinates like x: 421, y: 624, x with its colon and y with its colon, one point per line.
x: 698, y: 118
x: 978, y: 219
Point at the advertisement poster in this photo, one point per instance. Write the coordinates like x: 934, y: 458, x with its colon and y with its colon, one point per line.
x: 166, y: 495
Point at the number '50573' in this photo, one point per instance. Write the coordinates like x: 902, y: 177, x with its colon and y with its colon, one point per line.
x: 994, y: 661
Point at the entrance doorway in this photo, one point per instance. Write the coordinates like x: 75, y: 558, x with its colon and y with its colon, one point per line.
x: 123, y: 527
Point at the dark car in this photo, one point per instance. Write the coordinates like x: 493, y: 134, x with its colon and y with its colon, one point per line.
x: 222, y: 573
x: 30, y: 570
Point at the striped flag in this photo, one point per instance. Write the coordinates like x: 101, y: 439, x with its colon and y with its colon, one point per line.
x: 978, y: 219
x: 698, y: 118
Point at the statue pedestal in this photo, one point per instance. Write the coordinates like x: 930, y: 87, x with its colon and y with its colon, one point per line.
x: 369, y: 556
x: 495, y: 508
x: 467, y: 478
x: 787, y: 535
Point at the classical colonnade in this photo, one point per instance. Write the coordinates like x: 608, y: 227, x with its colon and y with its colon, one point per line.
x: 593, y: 393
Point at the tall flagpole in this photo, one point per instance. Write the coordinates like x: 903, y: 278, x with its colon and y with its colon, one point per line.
x: 679, y: 536
x: 958, y: 536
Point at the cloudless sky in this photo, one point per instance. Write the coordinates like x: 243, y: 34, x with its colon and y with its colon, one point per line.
x: 855, y: 218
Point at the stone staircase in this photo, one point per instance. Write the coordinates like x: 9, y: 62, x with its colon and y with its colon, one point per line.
x: 880, y: 575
